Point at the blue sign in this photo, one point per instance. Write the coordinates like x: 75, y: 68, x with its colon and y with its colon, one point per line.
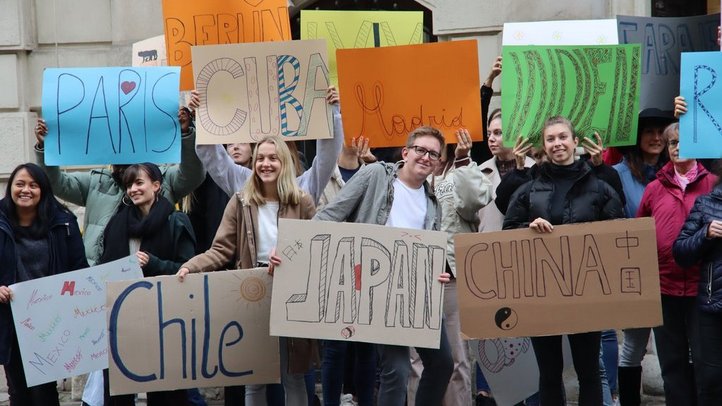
x: 700, y: 129
x: 113, y: 115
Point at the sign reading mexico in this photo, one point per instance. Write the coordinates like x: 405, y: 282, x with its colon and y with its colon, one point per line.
x: 596, y: 87
x: 60, y: 320
x: 700, y: 132
x: 358, y: 282
x: 118, y: 115
x: 249, y: 91
x: 191, y: 22
x: 390, y: 91
x: 582, y: 277
x: 361, y: 29
x: 210, y: 330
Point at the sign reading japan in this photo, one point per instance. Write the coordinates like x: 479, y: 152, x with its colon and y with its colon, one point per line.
x: 663, y: 39
x: 700, y: 133
x: 118, y: 115
x: 210, y: 330
x: 60, y: 320
x: 358, y: 282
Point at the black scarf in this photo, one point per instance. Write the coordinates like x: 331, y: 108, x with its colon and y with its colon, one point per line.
x: 153, y: 230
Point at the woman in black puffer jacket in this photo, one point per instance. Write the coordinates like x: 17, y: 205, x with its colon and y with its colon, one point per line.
x: 566, y: 191
x: 700, y: 242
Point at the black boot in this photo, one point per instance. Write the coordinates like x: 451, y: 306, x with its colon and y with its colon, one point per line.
x: 630, y: 385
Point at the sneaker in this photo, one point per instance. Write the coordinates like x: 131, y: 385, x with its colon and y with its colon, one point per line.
x: 347, y: 400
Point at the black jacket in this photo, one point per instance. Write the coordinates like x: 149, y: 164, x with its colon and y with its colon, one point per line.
x: 66, y: 254
x: 516, y: 178
x: 693, y: 247
x: 589, y: 199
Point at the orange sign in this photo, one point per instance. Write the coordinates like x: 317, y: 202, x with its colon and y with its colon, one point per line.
x: 192, y: 22
x: 387, y: 92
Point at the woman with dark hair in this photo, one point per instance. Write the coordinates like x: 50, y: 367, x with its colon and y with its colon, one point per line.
x: 38, y: 237
x: 566, y: 191
x: 638, y: 168
x: 147, y: 226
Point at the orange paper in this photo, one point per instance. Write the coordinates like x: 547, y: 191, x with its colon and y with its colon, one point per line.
x: 388, y: 92
x: 193, y: 22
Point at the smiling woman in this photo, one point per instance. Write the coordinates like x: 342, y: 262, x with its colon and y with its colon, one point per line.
x: 38, y: 237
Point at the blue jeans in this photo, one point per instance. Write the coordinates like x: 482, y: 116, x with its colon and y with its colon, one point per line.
x: 610, y: 355
x: 396, y: 366
x: 333, y: 367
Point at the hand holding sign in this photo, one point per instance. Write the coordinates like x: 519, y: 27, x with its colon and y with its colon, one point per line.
x: 6, y: 295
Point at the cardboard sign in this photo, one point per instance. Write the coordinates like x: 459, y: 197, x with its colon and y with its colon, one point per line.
x: 700, y: 132
x: 663, y: 39
x: 191, y: 22
x: 596, y: 87
x: 569, y: 32
x: 579, y: 278
x: 150, y: 52
x: 361, y: 29
x: 60, y: 320
x: 210, y: 330
x: 111, y: 115
x: 358, y: 282
x: 249, y: 91
x: 388, y: 92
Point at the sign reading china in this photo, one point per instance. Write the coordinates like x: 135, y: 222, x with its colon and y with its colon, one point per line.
x: 358, y: 282
x: 388, y: 92
x: 60, y: 320
x: 192, y: 22
x: 210, y: 330
x: 579, y: 278
x: 249, y: 91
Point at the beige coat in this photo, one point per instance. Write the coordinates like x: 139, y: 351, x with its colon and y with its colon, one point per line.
x: 491, y: 218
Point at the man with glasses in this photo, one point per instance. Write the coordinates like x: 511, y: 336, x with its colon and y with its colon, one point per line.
x: 398, y: 195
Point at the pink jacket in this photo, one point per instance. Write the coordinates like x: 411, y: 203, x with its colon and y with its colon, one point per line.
x: 664, y: 200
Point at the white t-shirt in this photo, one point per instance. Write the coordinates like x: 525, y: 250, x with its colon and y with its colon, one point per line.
x: 267, y: 230
x: 409, y: 207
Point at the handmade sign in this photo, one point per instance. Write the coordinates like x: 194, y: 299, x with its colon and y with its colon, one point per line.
x: 210, y: 330
x: 190, y: 22
x: 579, y: 278
x: 596, y: 87
x: 60, y: 320
x: 111, y: 115
x: 358, y: 282
x: 249, y: 91
x: 361, y: 29
x: 663, y: 39
x: 150, y: 52
x: 568, y: 32
x: 700, y: 132
x: 388, y: 92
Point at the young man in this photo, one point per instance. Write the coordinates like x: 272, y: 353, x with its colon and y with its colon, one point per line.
x: 398, y: 195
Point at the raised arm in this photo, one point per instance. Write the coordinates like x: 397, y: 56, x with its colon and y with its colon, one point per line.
x: 314, y: 180
x: 184, y: 178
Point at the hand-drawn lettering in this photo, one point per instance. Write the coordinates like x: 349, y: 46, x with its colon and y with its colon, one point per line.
x: 35, y: 298
x: 73, y: 363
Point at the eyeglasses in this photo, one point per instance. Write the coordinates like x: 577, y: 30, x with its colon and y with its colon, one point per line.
x: 421, y: 151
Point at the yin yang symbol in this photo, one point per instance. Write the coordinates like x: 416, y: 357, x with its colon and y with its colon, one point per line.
x: 506, y: 318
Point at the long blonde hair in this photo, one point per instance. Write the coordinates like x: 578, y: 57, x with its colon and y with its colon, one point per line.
x: 288, y: 191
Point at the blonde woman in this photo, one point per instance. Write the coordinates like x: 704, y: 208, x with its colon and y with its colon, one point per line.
x: 248, y: 233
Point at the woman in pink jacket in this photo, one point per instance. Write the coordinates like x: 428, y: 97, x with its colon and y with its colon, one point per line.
x: 669, y: 199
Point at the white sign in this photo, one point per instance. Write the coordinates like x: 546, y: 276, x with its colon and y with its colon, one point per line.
x: 570, y: 32
x: 60, y: 320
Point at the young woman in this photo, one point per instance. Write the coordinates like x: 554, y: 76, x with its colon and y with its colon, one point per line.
x: 248, y: 234
x: 639, y: 167
x: 38, y: 237
x: 161, y: 238
x: 669, y: 200
x: 565, y: 191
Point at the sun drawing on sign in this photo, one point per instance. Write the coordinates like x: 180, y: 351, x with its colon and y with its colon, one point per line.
x: 252, y: 290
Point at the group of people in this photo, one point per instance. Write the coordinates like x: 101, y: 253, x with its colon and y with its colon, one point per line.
x: 232, y: 197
